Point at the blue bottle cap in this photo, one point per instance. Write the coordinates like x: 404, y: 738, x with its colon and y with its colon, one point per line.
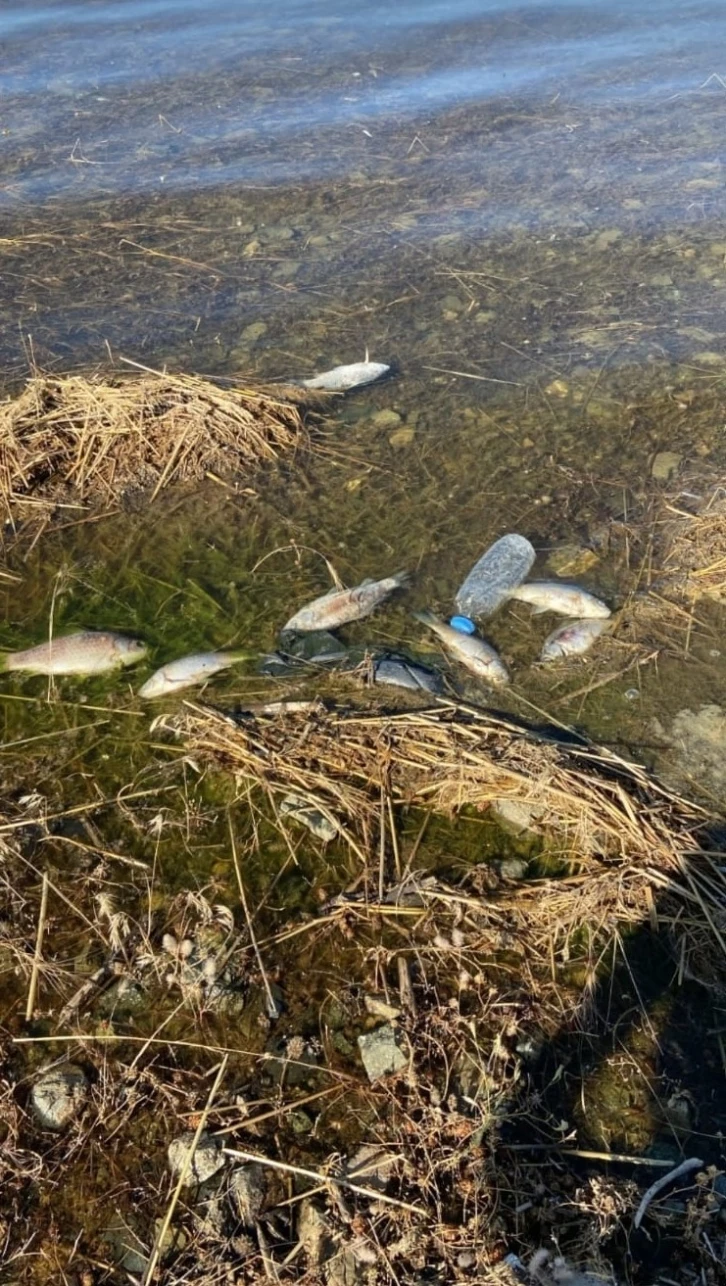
x: 463, y: 624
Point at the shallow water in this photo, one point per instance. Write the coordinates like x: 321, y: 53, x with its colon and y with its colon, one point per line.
x: 517, y: 205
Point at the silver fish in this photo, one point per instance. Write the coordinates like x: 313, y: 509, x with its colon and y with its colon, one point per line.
x: 187, y: 671
x: 572, y: 639
x: 554, y: 596
x: 339, y: 606
x: 501, y: 568
x: 400, y: 673
x: 469, y: 649
x: 87, y: 652
x: 343, y: 378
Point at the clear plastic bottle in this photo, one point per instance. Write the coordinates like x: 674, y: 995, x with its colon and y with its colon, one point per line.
x: 503, y: 567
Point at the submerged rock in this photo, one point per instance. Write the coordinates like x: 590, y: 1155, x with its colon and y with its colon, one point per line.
x: 207, y: 1160
x: 59, y: 1096
x: 381, y: 1052
x: 699, y: 748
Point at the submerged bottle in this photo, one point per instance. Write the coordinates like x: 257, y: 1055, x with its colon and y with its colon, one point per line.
x: 503, y: 567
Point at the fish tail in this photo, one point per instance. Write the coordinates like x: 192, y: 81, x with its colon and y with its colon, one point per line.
x: 237, y: 655
x: 426, y: 617
x: 5, y: 661
x: 401, y: 579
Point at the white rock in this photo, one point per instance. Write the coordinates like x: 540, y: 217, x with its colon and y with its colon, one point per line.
x: 207, y: 1160
x: 59, y: 1096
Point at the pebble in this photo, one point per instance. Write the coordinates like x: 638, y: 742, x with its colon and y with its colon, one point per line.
x: 608, y: 238
x: 402, y: 437
x: 59, y: 1096
x: 207, y: 1159
x: 247, y: 1192
x: 381, y: 1052
x: 254, y: 332
x: 386, y: 419
x: 665, y: 465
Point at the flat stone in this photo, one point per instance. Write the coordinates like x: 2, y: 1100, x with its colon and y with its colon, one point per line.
x: 402, y: 437
x: 386, y: 419
x: 207, y: 1160
x: 516, y: 816
x: 572, y: 560
x: 247, y: 1192
x: 381, y: 1052
x: 59, y: 1096
x: 254, y: 332
x: 608, y: 238
x: 699, y: 747
x: 665, y: 465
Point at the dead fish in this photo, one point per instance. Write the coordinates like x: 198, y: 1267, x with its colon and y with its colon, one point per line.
x: 343, y: 378
x: 553, y: 596
x: 87, y: 652
x: 572, y: 639
x: 469, y: 649
x: 501, y: 568
x: 189, y: 670
x: 401, y: 673
x: 339, y: 606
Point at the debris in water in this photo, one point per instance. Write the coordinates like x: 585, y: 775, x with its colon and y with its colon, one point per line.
x: 87, y: 652
x: 469, y: 649
x: 503, y: 567
x: 572, y: 639
x: 401, y: 673
x: 567, y: 600
x: 189, y: 670
x: 340, y: 606
x: 301, y: 810
x: 343, y: 378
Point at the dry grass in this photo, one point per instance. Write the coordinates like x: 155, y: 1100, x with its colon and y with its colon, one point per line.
x: 694, y: 558
x: 615, y: 832
x: 70, y: 437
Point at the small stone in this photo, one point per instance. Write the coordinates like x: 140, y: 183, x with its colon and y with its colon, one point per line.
x: 512, y: 868
x: 452, y: 304
x: 665, y: 465
x: 608, y: 238
x: 300, y: 1121
x: 315, y: 1233
x: 661, y: 279
x: 386, y: 419
x: 515, y: 815
x: 247, y: 1192
x: 381, y: 1052
x: 251, y: 249
x: 402, y: 437
x: 709, y: 358
x: 254, y: 332
x: 572, y: 560
x: 207, y: 1160
x: 558, y: 388
x: 59, y: 1096
x: 484, y: 317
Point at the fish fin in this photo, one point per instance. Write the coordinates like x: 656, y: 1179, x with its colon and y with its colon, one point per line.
x: 233, y: 656
x: 538, y: 611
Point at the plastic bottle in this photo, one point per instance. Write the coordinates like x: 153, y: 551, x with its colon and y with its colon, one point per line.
x: 503, y: 567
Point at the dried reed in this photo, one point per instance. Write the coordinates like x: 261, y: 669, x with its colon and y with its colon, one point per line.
x: 694, y: 544
x: 619, y: 833
x: 94, y: 438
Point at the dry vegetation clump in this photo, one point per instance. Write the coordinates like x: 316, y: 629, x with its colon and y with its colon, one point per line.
x: 617, y: 840
x: 693, y: 541
x: 93, y: 438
